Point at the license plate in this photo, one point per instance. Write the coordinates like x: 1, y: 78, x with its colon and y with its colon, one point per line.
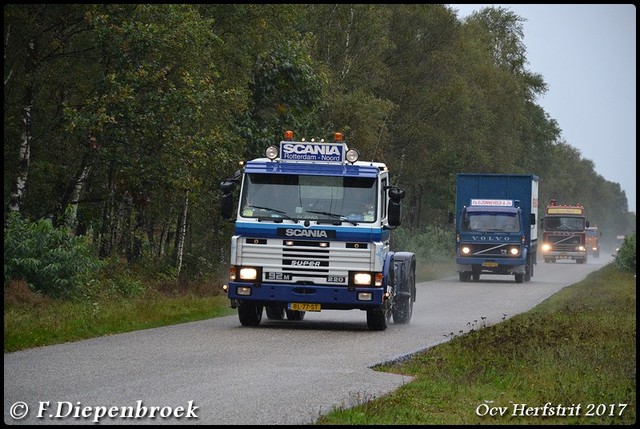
x: 490, y: 264
x: 303, y: 306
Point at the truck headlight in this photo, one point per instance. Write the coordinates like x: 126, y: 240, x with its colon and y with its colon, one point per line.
x: 248, y: 273
x: 546, y: 247
x: 361, y: 279
x: 514, y: 251
x: 581, y: 248
x: 465, y: 250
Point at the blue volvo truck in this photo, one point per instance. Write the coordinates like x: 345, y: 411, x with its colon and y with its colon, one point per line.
x: 312, y: 230
x: 495, y: 225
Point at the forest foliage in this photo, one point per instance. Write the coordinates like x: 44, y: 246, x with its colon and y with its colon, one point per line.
x: 121, y: 120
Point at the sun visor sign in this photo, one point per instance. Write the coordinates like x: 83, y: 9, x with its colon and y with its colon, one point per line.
x: 494, y: 203
x: 303, y: 151
x: 564, y: 210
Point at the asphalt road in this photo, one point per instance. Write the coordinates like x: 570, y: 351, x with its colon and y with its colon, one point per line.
x: 282, y: 372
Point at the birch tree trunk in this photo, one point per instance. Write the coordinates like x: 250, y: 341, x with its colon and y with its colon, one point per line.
x: 72, y: 214
x: 182, y: 229
x: 17, y: 194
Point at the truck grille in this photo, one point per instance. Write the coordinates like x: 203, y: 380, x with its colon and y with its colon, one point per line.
x: 564, y: 242
x: 305, y: 261
x: 490, y: 249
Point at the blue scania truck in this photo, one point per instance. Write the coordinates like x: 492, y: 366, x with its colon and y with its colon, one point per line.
x: 495, y: 222
x: 312, y: 230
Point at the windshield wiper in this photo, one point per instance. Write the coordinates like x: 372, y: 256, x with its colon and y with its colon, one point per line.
x: 334, y: 215
x: 280, y: 212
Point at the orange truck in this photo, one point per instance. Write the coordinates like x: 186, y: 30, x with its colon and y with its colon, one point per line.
x: 564, y: 231
x: 593, y: 241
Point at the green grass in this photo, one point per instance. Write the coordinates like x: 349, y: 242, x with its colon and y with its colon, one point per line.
x: 576, y: 349
x: 31, y: 320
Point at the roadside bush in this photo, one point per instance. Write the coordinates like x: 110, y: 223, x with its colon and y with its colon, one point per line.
x: 625, y: 258
x: 430, y: 244
x: 49, y: 259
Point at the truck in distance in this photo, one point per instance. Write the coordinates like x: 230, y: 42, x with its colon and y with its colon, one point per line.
x: 593, y: 241
x: 564, y: 231
x: 495, y: 225
x: 312, y: 232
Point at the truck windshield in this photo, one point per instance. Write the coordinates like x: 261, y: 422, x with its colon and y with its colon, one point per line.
x: 494, y: 222
x: 320, y: 198
x: 564, y: 223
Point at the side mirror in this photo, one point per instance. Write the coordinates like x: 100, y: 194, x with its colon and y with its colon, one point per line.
x: 226, y: 201
x: 396, y: 194
x: 394, y: 209
x: 394, y: 213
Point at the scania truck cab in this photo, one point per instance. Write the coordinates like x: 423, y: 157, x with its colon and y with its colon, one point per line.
x: 312, y: 232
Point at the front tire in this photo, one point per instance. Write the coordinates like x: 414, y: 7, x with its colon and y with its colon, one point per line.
x: 275, y: 312
x: 403, y: 311
x: 377, y: 318
x: 296, y: 315
x: 528, y: 271
x: 250, y: 314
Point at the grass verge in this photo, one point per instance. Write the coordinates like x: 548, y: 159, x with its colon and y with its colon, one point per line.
x: 570, y: 360
x: 32, y: 320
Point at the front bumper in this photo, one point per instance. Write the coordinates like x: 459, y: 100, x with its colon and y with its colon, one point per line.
x: 329, y: 297
x: 491, y: 265
x: 565, y: 255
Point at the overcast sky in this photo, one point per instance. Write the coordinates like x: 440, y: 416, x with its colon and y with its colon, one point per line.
x: 586, y: 53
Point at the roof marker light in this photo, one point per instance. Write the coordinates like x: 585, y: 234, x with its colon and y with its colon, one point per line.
x: 288, y: 135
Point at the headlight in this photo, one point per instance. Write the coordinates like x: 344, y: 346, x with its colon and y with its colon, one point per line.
x: 514, y: 251
x: 546, y: 247
x: 247, y: 273
x: 362, y: 279
x: 465, y: 250
x: 581, y: 248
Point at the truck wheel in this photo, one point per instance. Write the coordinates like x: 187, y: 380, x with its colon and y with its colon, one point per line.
x: 403, y: 311
x: 377, y: 318
x: 274, y: 312
x: 465, y: 276
x: 250, y: 314
x: 476, y: 277
x: 519, y: 278
x: 295, y: 315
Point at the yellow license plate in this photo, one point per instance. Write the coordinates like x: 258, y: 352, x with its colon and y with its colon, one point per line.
x: 303, y: 306
x: 490, y: 264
